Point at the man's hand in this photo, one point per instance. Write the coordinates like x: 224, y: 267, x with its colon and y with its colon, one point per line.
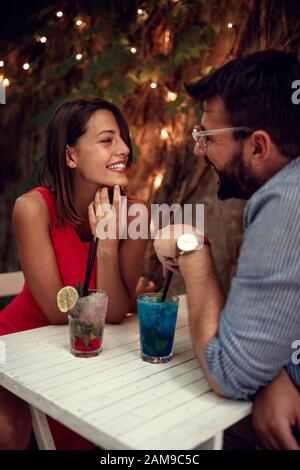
x: 275, y: 412
x: 165, y: 245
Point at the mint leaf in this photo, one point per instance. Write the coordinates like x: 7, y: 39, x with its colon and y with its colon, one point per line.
x: 79, y: 289
x: 159, y: 295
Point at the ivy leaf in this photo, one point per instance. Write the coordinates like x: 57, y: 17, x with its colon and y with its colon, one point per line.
x: 119, y: 88
x: 107, y: 62
x: 185, y: 110
x: 208, y: 33
x: 93, y: 30
x: 195, y: 42
x: 149, y: 72
x: 173, y: 107
x: 60, y: 70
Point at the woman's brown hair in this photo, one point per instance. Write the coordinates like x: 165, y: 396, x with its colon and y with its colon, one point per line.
x: 66, y: 126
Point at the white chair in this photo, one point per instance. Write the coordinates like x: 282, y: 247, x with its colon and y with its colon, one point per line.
x: 12, y: 284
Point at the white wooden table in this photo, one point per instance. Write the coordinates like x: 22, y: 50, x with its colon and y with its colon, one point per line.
x: 116, y: 400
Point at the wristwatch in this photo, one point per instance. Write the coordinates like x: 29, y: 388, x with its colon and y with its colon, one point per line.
x: 188, y: 242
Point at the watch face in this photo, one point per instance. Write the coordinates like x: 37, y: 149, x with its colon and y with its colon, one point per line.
x: 188, y: 242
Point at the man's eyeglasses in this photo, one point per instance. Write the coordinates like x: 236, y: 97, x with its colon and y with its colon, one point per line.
x: 201, y: 137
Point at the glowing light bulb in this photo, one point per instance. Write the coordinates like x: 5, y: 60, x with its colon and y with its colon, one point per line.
x: 78, y: 56
x: 6, y: 82
x: 153, y: 85
x: 79, y: 22
x: 133, y: 50
x: 59, y: 14
x: 1, y: 63
x: 43, y: 39
x: 158, y: 180
x: 142, y: 14
x: 171, y: 96
x: 164, y: 134
x: 26, y: 66
x: 167, y: 37
x: 230, y: 25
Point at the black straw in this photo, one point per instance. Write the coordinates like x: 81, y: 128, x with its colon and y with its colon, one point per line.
x: 92, y: 253
x: 90, y: 265
x: 167, y: 285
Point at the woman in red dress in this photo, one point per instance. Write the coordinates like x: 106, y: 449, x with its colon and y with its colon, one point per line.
x: 88, y: 151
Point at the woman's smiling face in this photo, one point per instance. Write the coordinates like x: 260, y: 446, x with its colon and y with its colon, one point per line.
x: 100, y: 155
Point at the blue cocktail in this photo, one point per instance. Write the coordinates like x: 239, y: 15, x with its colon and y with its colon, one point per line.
x: 157, y: 322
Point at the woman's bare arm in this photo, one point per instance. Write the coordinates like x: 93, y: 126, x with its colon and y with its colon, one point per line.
x: 31, y: 221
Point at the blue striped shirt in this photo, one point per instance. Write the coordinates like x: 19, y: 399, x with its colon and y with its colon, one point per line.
x: 261, y: 318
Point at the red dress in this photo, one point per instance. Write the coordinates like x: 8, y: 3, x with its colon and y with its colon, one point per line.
x: 23, y: 313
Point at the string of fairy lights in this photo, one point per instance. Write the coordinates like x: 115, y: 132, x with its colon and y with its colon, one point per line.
x: 80, y: 24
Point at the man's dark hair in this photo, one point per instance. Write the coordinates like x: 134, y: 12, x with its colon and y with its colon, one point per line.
x: 257, y: 93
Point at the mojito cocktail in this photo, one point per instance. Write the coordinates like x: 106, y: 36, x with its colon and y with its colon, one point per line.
x: 86, y: 324
x: 157, y: 321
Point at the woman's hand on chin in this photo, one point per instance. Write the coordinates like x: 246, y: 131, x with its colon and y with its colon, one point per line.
x: 104, y: 220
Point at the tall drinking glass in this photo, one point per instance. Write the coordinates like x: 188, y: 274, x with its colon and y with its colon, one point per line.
x: 157, y: 322
x: 86, y: 324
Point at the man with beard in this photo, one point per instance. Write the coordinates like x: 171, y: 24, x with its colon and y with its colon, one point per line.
x: 250, y: 134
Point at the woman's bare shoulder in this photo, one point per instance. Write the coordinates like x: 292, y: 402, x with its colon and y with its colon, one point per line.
x: 30, y: 206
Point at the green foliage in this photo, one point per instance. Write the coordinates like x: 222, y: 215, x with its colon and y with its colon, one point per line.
x: 159, y: 295
x: 99, y: 29
x: 41, y: 120
x: 152, y: 69
x: 108, y: 62
x: 193, y: 44
x: 109, y: 69
x: 119, y: 88
x: 172, y: 108
x: 60, y: 69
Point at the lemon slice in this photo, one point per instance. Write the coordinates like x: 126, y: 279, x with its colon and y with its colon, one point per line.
x: 66, y: 298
